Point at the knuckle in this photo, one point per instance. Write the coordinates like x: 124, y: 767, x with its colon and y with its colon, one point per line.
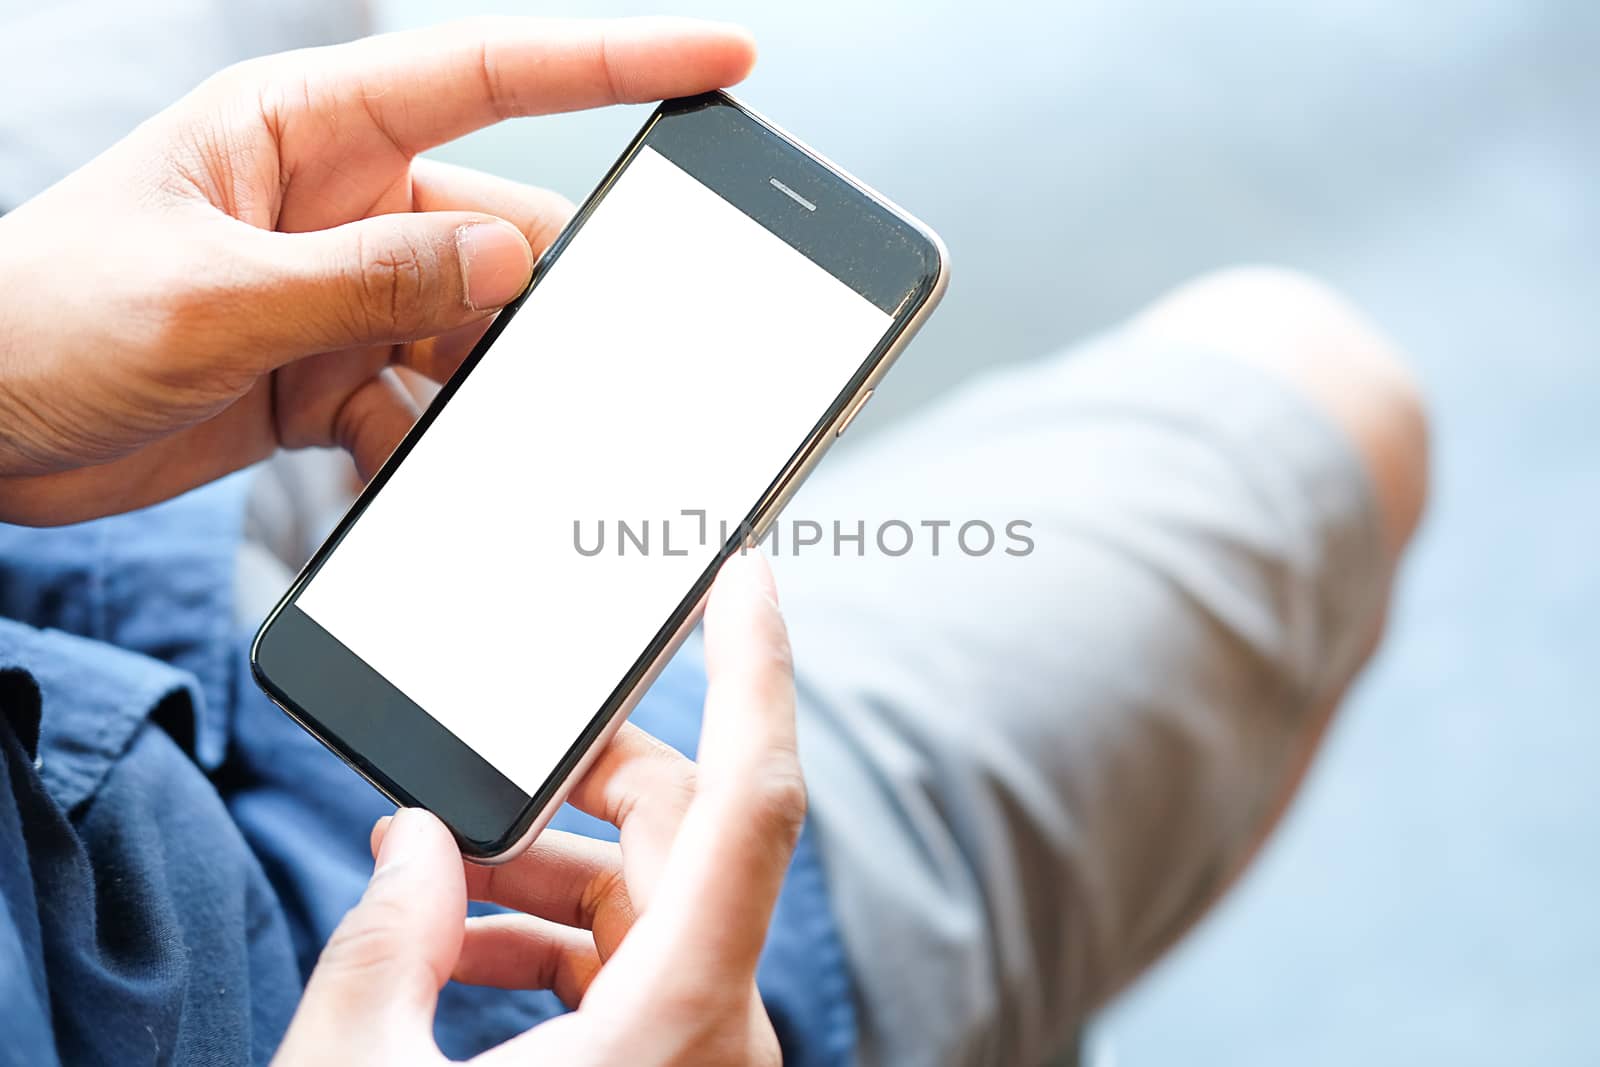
x: 683, y: 782
x: 609, y: 889
x: 350, y: 422
x: 362, y: 421
x: 678, y: 790
x: 244, y: 75
x: 494, y: 89
x: 779, y: 800
x: 391, y: 285
x: 666, y: 780
x: 663, y: 794
x: 252, y: 82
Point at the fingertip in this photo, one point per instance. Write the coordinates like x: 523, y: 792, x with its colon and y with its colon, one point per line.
x: 745, y: 634
x: 410, y: 834
x: 654, y: 57
x: 397, y: 946
x: 379, y: 829
x: 373, y: 420
x: 496, y: 262
x: 747, y: 572
x: 741, y: 53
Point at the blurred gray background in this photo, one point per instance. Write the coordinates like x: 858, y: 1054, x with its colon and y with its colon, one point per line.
x: 1432, y: 895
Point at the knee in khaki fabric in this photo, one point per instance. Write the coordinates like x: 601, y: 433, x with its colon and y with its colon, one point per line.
x: 1297, y: 328
x: 1030, y: 775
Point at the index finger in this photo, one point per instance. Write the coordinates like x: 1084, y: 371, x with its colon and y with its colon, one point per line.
x: 715, y: 897
x: 425, y: 87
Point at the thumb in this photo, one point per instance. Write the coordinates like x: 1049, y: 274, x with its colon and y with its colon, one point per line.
x: 376, y: 984
x: 386, y: 279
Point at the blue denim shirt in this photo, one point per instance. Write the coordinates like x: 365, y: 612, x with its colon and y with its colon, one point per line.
x: 174, y: 851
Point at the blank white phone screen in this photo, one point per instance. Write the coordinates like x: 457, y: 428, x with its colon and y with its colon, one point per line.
x: 672, y: 359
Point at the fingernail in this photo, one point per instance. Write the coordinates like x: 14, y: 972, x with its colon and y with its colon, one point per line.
x: 380, y: 832
x: 404, y: 826
x: 495, y: 263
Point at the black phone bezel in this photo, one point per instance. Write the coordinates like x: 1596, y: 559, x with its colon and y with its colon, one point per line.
x: 402, y: 750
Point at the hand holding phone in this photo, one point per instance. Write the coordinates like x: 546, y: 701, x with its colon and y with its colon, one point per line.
x: 262, y: 255
x: 692, y: 885
x: 711, y: 320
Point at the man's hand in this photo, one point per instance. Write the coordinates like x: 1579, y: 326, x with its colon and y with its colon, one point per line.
x: 654, y: 942
x: 247, y: 269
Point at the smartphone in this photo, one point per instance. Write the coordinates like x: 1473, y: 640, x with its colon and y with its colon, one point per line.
x: 493, y: 605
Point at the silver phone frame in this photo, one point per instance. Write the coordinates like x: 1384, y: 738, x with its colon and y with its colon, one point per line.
x: 784, y: 487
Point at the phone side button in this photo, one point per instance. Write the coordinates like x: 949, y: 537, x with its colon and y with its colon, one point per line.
x: 855, y: 409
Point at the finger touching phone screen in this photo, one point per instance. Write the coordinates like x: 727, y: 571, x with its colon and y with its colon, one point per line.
x: 542, y: 540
